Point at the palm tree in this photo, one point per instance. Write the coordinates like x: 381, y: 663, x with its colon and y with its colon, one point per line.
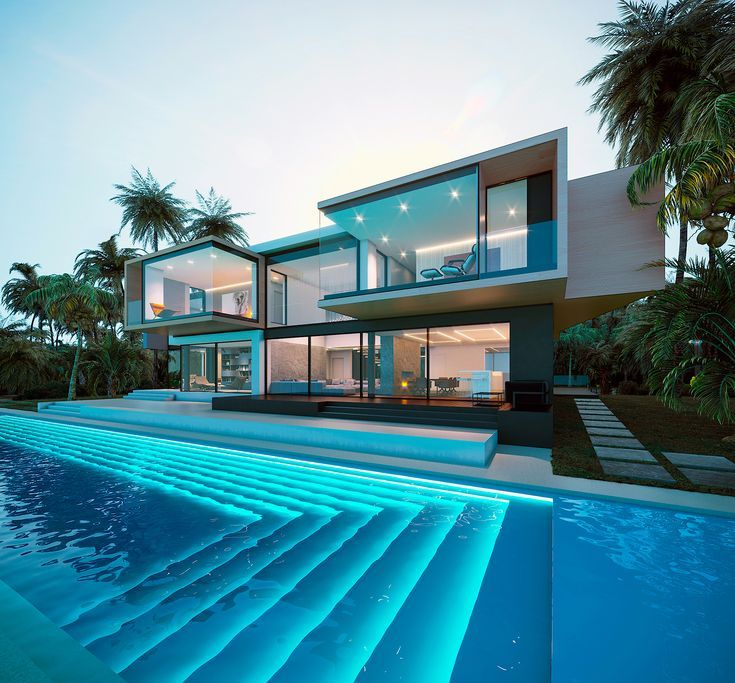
x: 105, y: 265
x: 15, y: 292
x: 72, y: 302
x: 114, y: 364
x: 656, y: 52
x: 152, y: 212
x: 689, y: 328
x: 214, y: 218
x: 23, y: 364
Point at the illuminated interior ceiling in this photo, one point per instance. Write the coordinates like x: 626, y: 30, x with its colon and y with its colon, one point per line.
x: 496, y: 335
x: 209, y: 269
x: 409, y: 219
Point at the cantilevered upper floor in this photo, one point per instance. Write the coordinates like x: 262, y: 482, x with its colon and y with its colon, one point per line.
x: 500, y: 229
x: 206, y: 285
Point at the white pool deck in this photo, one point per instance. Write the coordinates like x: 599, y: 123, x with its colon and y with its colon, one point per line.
x: 515, y: 467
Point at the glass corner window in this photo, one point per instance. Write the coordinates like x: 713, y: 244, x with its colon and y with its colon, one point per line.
x: 207, y: 279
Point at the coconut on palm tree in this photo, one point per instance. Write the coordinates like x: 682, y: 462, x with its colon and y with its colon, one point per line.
x: 73, y: 303
x: 105, y: 265
x: 15, y: 292
x: 214, y: 218
x: 153, y: 213
x: 656, y: 53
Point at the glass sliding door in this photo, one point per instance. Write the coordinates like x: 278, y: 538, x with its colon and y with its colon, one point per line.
x: 199, y: 368
x: 335, y: 365
x: 469, y: 359
x: 395, y: 363
x: 234, y: 366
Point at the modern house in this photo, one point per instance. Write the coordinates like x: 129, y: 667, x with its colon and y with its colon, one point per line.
x: 433, y: 298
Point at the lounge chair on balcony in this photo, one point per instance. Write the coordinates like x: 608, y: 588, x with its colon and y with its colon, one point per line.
x: 431, y: 273
x: 160, y: 311
x: 457, y: 267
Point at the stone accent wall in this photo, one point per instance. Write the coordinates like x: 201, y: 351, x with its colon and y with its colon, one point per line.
x: 288, y: 360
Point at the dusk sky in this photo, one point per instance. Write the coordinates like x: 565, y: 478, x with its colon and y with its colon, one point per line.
x: 276, y: 105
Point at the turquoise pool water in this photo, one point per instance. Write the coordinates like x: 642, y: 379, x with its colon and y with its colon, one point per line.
x: 173, y: 561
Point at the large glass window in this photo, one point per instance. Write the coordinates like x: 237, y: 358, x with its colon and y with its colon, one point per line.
x: 521, y: 235
x: 395, y: 363
x: 200, y: 368
x: 335, y: 365
x: 234, y: 367
x: 203, y: 280
x: 288, y: 366
x: 297, y: 280
x: 469, y: 361
x: 419, y: 233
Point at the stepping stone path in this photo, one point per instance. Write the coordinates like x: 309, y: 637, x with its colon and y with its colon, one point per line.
x: 637, y: 470
x: 707, y: 470
x: 620, y: 453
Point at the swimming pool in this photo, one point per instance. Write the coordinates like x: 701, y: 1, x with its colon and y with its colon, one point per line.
x: 174, y: 561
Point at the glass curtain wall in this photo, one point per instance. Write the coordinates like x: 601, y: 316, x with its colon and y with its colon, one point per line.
x: 297, y: 280
x: 205, y: 279
x: 234, y: 366
x: 457, y: 362
x: 422, y: 232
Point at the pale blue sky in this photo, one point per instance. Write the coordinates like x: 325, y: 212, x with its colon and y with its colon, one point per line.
x: 277, y: 105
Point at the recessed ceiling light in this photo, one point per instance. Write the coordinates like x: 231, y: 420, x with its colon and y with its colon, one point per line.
x: 190, y: 262
x: 403, y: 207
x: 455, y: 194
x: 213, y: 256
x: 170, y: 267
x: 403, y: 254
x: 384, y: 238
x: 359, y: 218
x: 511, y: 212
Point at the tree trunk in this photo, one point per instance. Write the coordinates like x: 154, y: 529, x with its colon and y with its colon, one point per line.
x: 570, y: 369
x: 33, y: 322
x: 75, y: 367
x: 155, y: 242
x: 683, y: 241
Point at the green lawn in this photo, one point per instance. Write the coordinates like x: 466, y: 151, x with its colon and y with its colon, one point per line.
x: 655, y: 426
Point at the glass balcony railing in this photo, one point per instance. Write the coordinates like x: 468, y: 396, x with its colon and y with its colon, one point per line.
x: 521, y: 249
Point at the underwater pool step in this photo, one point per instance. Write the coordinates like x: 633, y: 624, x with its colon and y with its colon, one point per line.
x: 364, y: 611
x: 255, y: 580
x: 443, y: 609
x: 324, y: 601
